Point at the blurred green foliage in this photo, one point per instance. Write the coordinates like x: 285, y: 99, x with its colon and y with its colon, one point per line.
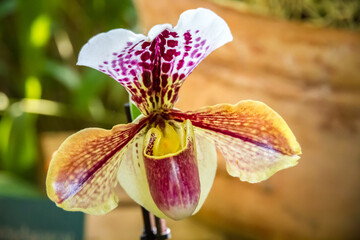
x: 333, y: 13
x: 41, y: 88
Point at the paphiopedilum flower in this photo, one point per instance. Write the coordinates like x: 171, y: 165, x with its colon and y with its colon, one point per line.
x: 166, y: 159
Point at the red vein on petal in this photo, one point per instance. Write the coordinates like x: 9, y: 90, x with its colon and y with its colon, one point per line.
x: 88, y: 175
x: 181, y: 116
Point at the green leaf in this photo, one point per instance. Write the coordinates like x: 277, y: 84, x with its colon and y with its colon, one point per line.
x: 11, y: 185
x: 7, y: 7
x: 134, y: 111
x: 64, y: 74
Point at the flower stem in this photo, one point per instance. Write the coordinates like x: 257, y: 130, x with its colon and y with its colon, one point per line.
x: 162, y: 232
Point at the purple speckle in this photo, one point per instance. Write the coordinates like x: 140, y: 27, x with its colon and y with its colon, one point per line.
x: 191, y: 63
x: 145, y: 45
x: 145, y: 56
x: 187, y: 48
x: 182, y: 76
x: 165, y: 33
x: 164, y: 78
x: 169, y: 94
x: 145, y: 65
x: 137, y: 53
x: 194, y: 52
x: 198, y: 39
x: 114, y: 53
x: 133, y: 72
x: 196, y: 31
x: 198, y: 55
x: 174, y: 34
x: 187, y: 37
x: 106, y: 62
x: 175, y: 76
x: 168, y: 56
x: 143, y: 93
x: 129, y: 44
x: 165, y: 67
x: 172, y: 43
x: 180, y: 64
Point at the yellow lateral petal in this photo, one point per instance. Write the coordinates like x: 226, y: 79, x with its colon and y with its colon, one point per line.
x: 255, y: 141
x: 82, y: 173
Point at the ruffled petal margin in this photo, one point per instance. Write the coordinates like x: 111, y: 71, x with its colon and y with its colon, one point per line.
x: 82, y: 174
x: 254, y: 140
x: 134, y: 176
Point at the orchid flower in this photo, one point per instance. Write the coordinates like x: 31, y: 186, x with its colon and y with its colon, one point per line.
x: 165, y: 159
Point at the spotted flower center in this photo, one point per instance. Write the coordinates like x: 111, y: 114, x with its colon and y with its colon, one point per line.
x: 164, y: 138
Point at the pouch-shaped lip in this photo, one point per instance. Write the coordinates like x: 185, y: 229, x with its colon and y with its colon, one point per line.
x: 173, y: 179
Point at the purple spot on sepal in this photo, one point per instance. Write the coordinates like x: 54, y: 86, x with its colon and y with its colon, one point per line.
x: 198, y: 39
x: 164, y: 80
x: 106, y: 62
x: 133, y: 72
x: 182, y: 76
x: 187, y: 48
x: 152, y: 46
x: 137, y: 53
x: 196, y: 45
x: 202, y: 43
x: 145, y: 45
x: 165, y: 67
x: 114, y: 53
x: 196, y: 31
x: 169, y: 94
x: 165, y: 33
x: 143, y: 93
x: 187, y: 37
x: 145, y: 56
x: 180, y: 64
x: 173, y: 34
x: 146, y: 79
x: 129, y: 44
x: 170, y: 53
x: 198, y: 55
x: 145, y: 65
x: 194, y: 52
x: 172, y: 43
